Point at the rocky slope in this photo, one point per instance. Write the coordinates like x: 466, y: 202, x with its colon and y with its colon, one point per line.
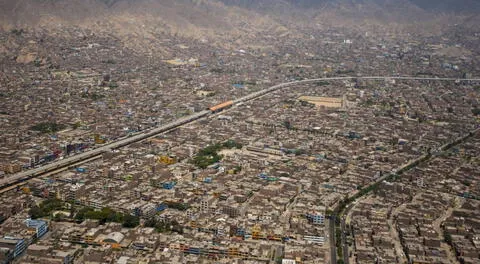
x: 229, y: 22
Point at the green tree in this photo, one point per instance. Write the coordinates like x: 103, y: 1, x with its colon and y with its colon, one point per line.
x: 45, y: 208
x: 130, y: 221
x: 76, y: 125
x: 476, y: 111
x: 447, y: 238
x: 287, y: 124
x: 232, y: 144
x: 48, y: 127
x: 35, y: 212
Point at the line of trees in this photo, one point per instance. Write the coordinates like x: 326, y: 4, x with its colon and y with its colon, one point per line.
x: 209, y: 155
x: 178, y: 206
x: 164, y: 226
x: 47, y: 207
x: 48, y: 127
x: 107, y: 215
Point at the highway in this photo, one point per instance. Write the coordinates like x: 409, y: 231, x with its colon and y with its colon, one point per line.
x: 32, y: 173
x: 344, y: 241
x: 343, y: 228
x: 331, y: 233
x: 52, y: 172
x: 409, y: 165
x: 28, y: 174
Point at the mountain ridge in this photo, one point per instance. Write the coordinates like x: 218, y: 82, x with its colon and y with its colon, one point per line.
x: 227, y: 21
x: 31, y: 11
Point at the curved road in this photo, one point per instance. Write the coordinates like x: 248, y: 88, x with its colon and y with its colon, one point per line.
x: 64, y: 163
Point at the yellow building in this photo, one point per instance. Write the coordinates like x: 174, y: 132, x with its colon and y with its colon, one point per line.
x: 193, y: 224
x: 99, y: 139
x: 233, y: 251
x: 169, y: 160
x: 26, y: 190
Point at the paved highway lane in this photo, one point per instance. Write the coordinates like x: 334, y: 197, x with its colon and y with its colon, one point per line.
x: 28, y: 174
x: 333, y: 248
x: 343, y: 227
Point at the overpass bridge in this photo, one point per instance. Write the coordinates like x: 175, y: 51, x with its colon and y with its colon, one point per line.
x: 96, y: 152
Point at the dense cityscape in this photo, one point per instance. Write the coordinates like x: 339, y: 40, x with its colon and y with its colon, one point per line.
x: 306, y: 144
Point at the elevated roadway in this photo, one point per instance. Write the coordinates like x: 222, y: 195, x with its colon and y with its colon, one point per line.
x: 69, y: 161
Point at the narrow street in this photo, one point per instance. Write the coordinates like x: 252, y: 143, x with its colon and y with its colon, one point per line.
x: 394, y: 232
x: 437, y: 226
x: 396, y: 237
